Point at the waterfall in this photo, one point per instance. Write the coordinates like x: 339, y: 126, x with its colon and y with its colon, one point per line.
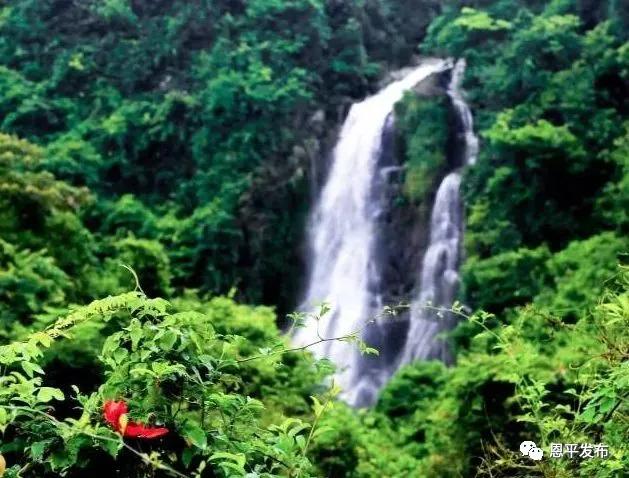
x: 345, y: 272
x: 439, y: 274
x: 464, y: 114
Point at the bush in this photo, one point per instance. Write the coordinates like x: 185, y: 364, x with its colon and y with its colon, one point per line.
x: 422, y: 129
x: 171, y: 369
x: 506, y: 280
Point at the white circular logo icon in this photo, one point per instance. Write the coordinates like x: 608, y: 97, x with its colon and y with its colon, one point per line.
x: 530, y: 449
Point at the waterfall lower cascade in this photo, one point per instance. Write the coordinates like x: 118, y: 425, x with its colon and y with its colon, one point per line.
x: 439, y: 274
x: 343, y: 231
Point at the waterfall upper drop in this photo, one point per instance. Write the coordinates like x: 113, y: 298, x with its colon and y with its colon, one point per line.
x: 345, y: 237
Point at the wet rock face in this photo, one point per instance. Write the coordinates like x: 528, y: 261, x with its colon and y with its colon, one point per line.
x: 432, y: 86
x: 400, y: 236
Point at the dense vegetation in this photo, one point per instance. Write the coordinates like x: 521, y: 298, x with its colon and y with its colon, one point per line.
x: 178, y: 138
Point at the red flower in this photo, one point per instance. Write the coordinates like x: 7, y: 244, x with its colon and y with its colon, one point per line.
x: 137, y: 430
x: 115, y: 414
x: 112, y: 411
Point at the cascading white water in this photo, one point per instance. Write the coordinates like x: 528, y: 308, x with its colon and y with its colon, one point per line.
x: 464, y: 114
x: 342, y: 228
x: 439, y: 275
x: 345, y: 272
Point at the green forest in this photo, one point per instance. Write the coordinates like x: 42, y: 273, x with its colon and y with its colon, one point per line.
x: 156, y: 172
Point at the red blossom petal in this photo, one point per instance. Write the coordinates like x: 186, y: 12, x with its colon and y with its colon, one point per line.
x: 112, y: 411
x: 137, y: 430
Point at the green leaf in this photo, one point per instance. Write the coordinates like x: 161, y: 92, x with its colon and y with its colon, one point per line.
x: 588, y: 415
x: 46, y: 394
x: 322, y: 430
x: 230, y: 460
x: 31, y: 368
x: 111, y: 446
x: 120, y: 354
x: 186, y: 456
x: 4, y: 419
x: 37, y: 449
x: 317, y: 407
x: 168, y: 340
x: 607, y: 404
x: 135, y: 332
x: 195, y: 434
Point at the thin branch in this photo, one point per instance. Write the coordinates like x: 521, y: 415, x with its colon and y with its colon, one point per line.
x: 321, y: 339
x: 138, y: 287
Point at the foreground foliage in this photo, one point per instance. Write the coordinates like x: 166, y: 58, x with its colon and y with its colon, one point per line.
x: 218, y: 409
x: 214, y: 403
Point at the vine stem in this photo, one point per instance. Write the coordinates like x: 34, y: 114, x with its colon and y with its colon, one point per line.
x: 138, y: 287
x: 320, y: 340
x: 293, y: 349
